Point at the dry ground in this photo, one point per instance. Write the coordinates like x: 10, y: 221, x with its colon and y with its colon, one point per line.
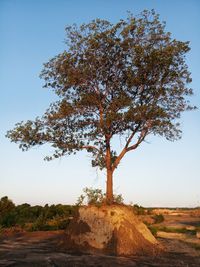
x: 42, y: 249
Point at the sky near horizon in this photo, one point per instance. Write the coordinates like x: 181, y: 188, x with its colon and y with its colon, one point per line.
x: 159, y: 173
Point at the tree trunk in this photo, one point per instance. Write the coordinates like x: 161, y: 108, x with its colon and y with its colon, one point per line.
x: 109, y: 182
x: 109, y: 187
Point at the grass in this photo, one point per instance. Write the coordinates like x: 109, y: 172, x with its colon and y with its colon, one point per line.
x: 155, y: 229
x: 158, y: 218
x: 176, y: 230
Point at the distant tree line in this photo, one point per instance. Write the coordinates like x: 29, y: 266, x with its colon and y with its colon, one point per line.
x: 34, y: 218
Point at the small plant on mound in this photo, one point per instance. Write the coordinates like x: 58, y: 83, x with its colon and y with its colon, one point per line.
x: 96, y: 197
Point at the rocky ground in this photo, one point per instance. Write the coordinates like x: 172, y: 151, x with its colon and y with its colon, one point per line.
x: 41, y: 249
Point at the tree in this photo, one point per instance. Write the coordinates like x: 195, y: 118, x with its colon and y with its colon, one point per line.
x: 128, y: 79
x: 7, y: 212
x: 6, y: 205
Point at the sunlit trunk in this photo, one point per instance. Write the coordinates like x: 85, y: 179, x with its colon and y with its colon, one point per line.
x: 109, y: 181
x: 109, y: 187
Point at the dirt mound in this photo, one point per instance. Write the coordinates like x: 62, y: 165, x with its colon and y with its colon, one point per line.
x: 112, y: 230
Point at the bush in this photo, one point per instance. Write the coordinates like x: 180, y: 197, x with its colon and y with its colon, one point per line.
x: 153, y: 230
x: 58, y: 223
x: 9, y: 219
x: 158, y: 218
x: 34, y: 218
x: 118, y: 199
x: 40, y: 224
x: 7, y: 212
x: 45, y: 224
x: 96, y: 197
x: 139, y: 210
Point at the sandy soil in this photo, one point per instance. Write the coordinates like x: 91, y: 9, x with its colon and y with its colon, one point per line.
x: 42, y: 249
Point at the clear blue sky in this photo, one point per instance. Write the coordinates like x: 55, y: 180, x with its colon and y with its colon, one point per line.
x: 159, y: 173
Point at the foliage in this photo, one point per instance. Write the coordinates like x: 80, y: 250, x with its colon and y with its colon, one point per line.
x: 91, y: 196
x: 6, y: 205
x: 9, y: 219
x: 158, y: 218
x: 96, y: 197
x: 139, y: 210
x: 176, y: 230
x: 153, y: 230
x: 40, y: 224
x: 118, y: 199
x: 124, y: 78
x: 44, y: 224
x: 7, y: 213
x: 34, y: 218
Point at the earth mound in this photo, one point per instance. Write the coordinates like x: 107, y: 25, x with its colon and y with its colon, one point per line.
x: 112, y: 230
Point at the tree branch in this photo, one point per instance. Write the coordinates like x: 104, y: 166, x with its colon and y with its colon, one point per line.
x: 132, y: 135
x: 140, y: 139
x: 128, y: 148
x: 125, y: 149
x: 142, y: 136
x: 82, y: 147
x: 118, y: 159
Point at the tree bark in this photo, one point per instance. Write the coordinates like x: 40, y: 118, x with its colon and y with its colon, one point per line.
x: 109, y: 181
x: 109, y: 187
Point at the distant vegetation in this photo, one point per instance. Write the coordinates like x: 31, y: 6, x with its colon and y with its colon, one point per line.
x: 139, y: 210
x: 154, y: 229
x: 176, y: 230
x: 158, y: 218
x: 57, y: 217
x: 53, y: 217
x: 34, y: 218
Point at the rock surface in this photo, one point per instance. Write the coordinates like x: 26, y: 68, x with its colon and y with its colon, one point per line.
x: 41, y: 249
x: 112, y: 230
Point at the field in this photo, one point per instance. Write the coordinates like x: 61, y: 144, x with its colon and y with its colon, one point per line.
x: 178, y: 234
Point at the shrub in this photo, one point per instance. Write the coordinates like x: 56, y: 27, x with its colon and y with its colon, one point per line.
x: 158, y: 218
x: 118, y: 199
x: 96, y: 197
x: 58, y: 223
x: 153, y: 230
x: 139, y: 210
x: 40, y: 224
x: 7, y: 212
x: 34, y: 218
x: 9, y: 219
x: 6, y: 205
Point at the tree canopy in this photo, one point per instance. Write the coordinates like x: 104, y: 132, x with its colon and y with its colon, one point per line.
x: 128, y: 79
